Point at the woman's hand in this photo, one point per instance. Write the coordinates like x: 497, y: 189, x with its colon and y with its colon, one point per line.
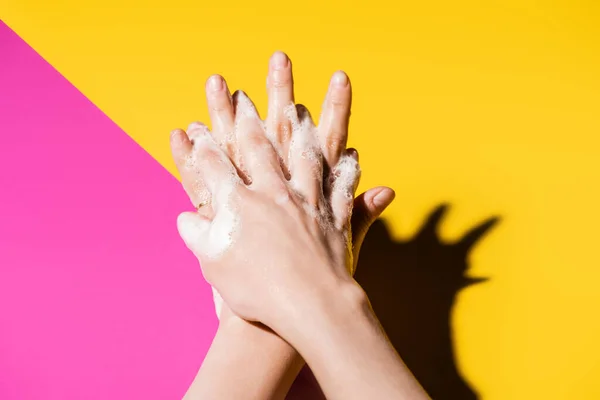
x: 270, y: 241
x: 274, y: 238
x: 331, y: 136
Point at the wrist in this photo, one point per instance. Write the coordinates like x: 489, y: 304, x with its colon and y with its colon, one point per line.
x: 253, y: 335
x: 343, y: 342
x: 236, y: 345
x: 337, y: 302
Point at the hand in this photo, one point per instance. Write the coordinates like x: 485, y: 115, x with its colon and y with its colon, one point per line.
x: 274, y: 240
x: 332, y: 136
x: 288, y: 284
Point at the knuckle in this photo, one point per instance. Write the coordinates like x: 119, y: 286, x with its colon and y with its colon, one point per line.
x: 334, y: 139
x: 257, y: 139
x: 281, y: 83
x: 281, y: 193
x: 338, y: 101
x: 218, y: 106
x: 207, y: 155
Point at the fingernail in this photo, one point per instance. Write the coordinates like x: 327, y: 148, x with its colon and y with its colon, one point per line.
x: 195, y: 125
x: 175, y: 132
x: 279, y: 60
x: 353, y: 153
x: 215, y: 83
x: 383, y: 198
x: 339, y: 79
x: 244, y: 106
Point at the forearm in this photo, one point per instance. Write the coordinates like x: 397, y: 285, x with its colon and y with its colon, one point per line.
x: 348, y: 351
x: 245, y: 361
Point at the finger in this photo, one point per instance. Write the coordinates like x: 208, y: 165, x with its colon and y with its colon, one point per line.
x: 192, y: 178
x: 212, y: 165
x: 222, y: 115
x: 344, y: 181
x: 353, y: 153
x: 260, y: 158
x: 305, y: 158
x: 280, y: 90
x: 335, y: 116
x: 367, y: 208
x: 196, y: 129
x: 181, y: 149
x: 220, y: 108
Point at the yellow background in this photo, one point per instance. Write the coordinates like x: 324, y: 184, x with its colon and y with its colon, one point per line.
x: 491, y: 106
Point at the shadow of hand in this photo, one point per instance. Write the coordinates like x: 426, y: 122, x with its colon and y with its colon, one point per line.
x: 412, y: 286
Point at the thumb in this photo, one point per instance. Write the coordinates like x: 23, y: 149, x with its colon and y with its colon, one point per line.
x: 367, y: 208
x: 193, y: 229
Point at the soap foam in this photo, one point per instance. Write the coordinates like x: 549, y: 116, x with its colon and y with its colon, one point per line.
x: 304, y: 142
x: 219, y: 236
x: 218, y: 300
x: 215, y: 240
x: 343, y: 180
x: 345, y: 176
x: 199, y: 191
x: 244, y: 106
x: 304, y: 134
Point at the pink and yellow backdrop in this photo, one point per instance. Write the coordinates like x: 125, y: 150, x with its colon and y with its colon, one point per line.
x: 492, y: 106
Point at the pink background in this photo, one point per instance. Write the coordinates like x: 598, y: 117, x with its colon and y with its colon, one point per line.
x: 99, y: 298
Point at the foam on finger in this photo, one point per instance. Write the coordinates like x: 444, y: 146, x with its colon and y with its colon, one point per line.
x: 217, y: 183
x: 343, y: 182
x: 305, y: 157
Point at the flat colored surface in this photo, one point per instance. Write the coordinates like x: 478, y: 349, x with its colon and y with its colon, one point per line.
x: 99, y: 298
x: 492, y: 106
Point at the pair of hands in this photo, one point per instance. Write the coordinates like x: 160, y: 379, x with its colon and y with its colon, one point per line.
x: 275, y: 228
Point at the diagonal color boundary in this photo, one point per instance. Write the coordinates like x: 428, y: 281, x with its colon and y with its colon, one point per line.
x: 99, y: 298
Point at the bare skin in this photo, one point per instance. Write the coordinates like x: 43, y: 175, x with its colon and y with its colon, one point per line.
x: 281, y: 363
